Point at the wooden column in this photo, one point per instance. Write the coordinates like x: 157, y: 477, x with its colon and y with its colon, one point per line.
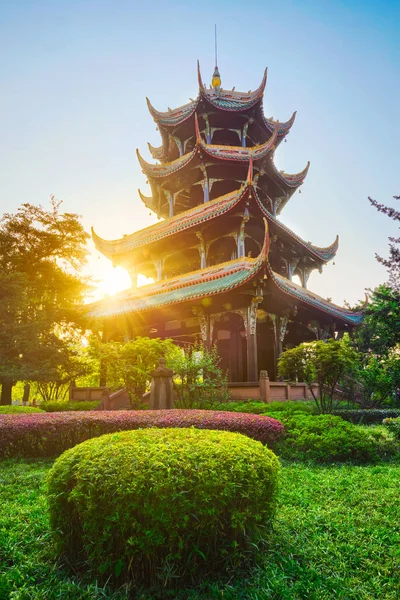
x: 251, y: 329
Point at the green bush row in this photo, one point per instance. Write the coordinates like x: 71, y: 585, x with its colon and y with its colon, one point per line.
x: 261, y: 408
x: 328, y: 438
x: 367, y: 415
x: 13, y: 409
x: 151, y: 506
x: 56, y: 406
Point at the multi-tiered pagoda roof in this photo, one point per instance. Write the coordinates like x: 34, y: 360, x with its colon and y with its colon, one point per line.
x: 220, y: 248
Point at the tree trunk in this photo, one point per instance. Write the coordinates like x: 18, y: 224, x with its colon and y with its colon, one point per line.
x: 103, y: 373
x: 25, y: 397
x: 6, y: 390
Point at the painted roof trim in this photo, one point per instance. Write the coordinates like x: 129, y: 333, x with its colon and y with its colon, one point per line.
x: 190, y: 286
x: 299, y: 293
x: 229, y: 153
x: 157, y: 152
x: 181, y: 222
x: 173, y: 117
x: 284, y: 128
x: 324, y: 254
x: 226, y: 100
x: 237, y: 153
x: 168, y: 168
x: 229, y: 100
x: 292, y: 180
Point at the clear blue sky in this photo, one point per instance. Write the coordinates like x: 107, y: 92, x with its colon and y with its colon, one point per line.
x: 74, y: 76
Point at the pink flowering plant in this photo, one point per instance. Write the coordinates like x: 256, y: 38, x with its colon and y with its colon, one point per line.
x: 50, y: 434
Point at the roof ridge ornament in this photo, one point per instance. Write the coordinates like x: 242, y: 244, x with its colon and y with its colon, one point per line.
x: 200, y: 80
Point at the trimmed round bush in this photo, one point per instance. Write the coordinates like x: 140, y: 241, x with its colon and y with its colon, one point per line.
x: 50, y: 434
x: 16, y: 410
x: 393, y: 426
x: 151, y: 505
x: 325, y: 439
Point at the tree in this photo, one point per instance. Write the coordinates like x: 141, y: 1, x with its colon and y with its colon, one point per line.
x: 128, y: 364
x: 379, y: 332
x: 321, y: 363
x: 41, y: 292
x: 393, y: 262
x: 379, y: 378
x: 198, y: 380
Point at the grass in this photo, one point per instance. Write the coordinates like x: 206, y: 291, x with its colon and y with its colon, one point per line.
x: 336, y: 536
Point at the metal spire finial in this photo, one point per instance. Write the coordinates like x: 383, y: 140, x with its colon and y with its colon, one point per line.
x: 216, y: 47
x: 216, y: 79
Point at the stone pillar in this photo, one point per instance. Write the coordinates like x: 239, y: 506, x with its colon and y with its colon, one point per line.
x: 161, y: 390
x: 265, y: 390
x: 105, y: 399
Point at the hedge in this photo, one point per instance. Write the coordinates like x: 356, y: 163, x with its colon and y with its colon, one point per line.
x: 150, y: 506
x: 56, y: 406
x: 326, y: 439
x: 367, y: 415
x: 50, y: 434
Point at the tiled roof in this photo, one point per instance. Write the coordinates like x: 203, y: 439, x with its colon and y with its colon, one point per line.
x: 197, y: 284
x: 325, y: 254
x: 299, y: 293
x: 228, y: 100
x: 237, y: 153
x: 190, y: 218
x: 283, y: 128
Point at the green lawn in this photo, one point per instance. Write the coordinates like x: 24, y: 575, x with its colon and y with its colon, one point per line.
x: 337, y: 535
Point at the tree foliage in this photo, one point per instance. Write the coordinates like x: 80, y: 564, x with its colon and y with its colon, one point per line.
x: 198, y: 380
x: 393, y: 261
x: 128, y: 364
x: 322, y: 363
x: 41, y: 291
x: 379, y: 333
x: 379, y: 378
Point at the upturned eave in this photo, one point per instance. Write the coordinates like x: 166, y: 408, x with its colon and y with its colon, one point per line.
x: 308, y: 298
x: 184, y: 288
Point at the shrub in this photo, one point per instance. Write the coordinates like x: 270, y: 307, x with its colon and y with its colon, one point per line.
x: 198, y: 380
x: 259, y: 408
x: 292, y: 406
x: 393, y: 426
x: 12, y: 409
x: 367, y: 415
x: 149, y: 506
x: 324, y: 439
x: 324, y: 363
x: 253, y: 408
x: 55, y: 406
x: 50, y: 434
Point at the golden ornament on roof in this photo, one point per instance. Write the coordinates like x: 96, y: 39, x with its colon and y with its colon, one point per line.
x: 216, y: 79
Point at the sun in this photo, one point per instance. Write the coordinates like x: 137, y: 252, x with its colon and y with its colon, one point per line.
x: 113, y: 280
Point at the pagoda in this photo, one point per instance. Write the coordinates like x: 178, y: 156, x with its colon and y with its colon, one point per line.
x: 222, y: 261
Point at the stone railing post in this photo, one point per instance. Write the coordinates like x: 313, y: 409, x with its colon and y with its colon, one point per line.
x: 105, y: 399
x: 161, y: 391
x: 265, y: 390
